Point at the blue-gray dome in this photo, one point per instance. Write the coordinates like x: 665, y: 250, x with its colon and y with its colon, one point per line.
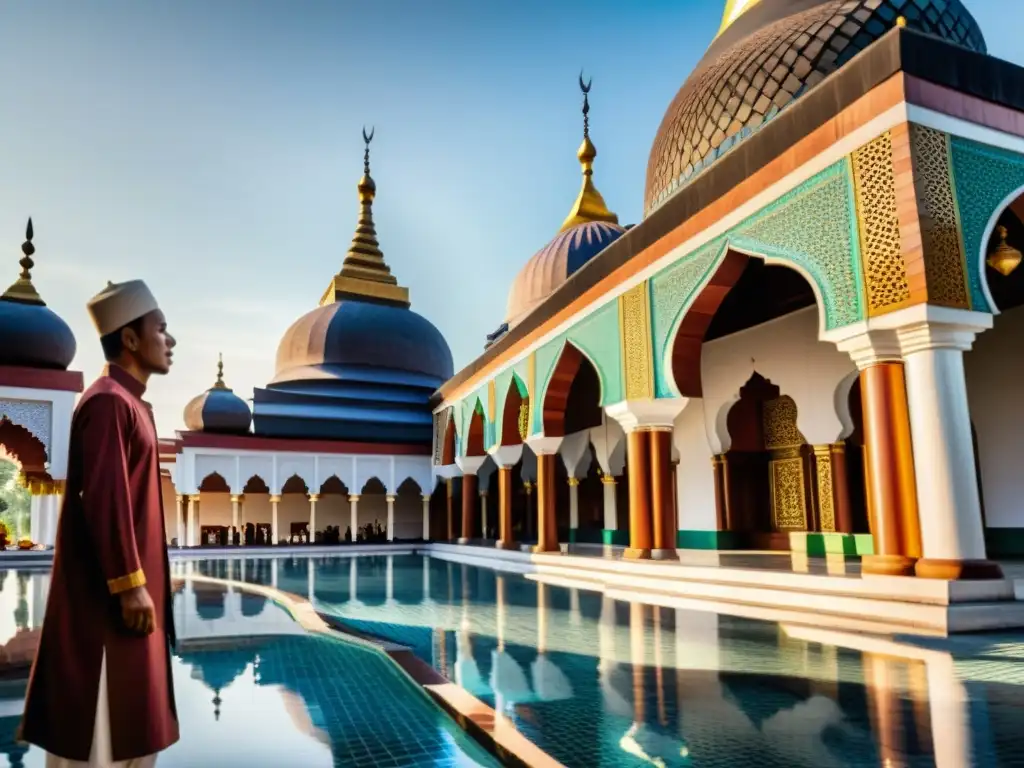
x: 363, y: 340
x: 31, y: 334
x: 218, y: 409
x: 553, y: 264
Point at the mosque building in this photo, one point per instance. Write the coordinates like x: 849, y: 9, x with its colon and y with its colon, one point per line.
x: 810, y: 342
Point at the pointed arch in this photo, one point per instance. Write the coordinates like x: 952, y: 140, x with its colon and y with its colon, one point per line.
x: 23, y: 445
x: 214, y: 482
x: 572, y: 361
x: 295, y: 484
x: 515, y: 412
x: 475, y: 431
x: 255, y: 484
x: 448, y: 448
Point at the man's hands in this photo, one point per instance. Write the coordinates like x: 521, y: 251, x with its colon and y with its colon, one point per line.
x: 138, y: 611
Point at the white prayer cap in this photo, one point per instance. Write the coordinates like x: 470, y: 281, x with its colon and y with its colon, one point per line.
x: 119, y: 304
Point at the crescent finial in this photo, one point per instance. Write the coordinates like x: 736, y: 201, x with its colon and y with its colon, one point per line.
x: 369, y: 138
x: 585, y: 87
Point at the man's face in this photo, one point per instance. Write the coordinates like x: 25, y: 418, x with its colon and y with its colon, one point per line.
x: 151, y: 346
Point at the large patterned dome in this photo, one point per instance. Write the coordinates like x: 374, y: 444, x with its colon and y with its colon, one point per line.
x: 767, y: 54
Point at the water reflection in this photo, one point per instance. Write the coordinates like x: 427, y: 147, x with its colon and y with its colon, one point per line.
x: 599, y: 682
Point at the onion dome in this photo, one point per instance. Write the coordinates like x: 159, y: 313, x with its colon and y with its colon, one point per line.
x: 363, y: 365
x: 588, y: 229
x: 31, y: 334
x: 218, y: 409
x: 767, y: 54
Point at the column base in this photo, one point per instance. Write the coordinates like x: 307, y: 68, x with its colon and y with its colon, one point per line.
x: 463, y: 540
x: 546, y: 550
x: 664, y: 554
x: 887, y: 565
x: 958, y: 570
x: 631, y: 553
x: 512, y: 546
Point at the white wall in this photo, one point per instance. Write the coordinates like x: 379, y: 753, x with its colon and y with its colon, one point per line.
x: 995, y: 372
x: 787, y: 352
x: 695, y: 478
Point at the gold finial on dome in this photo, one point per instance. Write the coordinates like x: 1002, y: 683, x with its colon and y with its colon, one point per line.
x: 219, y: 383
x: 733, y: 10
x: 589, y: 206
x: 364, y: 273
x: 22, y: 290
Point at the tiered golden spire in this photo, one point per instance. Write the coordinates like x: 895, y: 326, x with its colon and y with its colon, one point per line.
x: 589, y: 206
x: 22, y: 290
x: 364, y: 273
x: 219, y: 383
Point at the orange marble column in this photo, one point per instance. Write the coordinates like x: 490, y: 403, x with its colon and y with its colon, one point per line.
x: 547, y: 525
x: 468, y: 507
x: 638, y: 454
x: 506, y: 539
x: 662, y: 499
x: 889, y: 471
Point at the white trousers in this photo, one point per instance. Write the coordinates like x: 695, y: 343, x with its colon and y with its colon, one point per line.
x: 100, y: 756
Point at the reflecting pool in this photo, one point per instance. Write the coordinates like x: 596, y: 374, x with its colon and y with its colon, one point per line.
x: 253, y: 689
x: 596, y: 682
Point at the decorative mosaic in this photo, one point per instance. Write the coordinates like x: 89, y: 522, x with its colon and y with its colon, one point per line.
x: 789, y: 504
x: 985, y: 179
x: 814, y: 228
x: 885, y: 271
x: 736, y: 90
x: 940, y: 225
x: 672, y: 292
x: 780, y: 429
x: 34, y: 415
x: 635, y: 328
x: 826, y: 503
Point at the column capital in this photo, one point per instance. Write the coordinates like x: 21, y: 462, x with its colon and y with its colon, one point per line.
x: 314, y: 497
x: 390, y: 498
x: 924, y: 336
x: 470, y: 465
x: 641, y: 414
x: 573, y: 482
x: 608, y: 480
x: 194, y: 497
x: 506, y: 455
x: 274, y: 498
x: 236, y: 497
x: 869, y: 348
x: 179, y: 498
x: 426, y: 497
x: 544, y: 445
x: 353, y: 497
x: 483, y: 493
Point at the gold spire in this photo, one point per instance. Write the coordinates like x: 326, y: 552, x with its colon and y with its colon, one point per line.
x: 22, y: 290
x: 589, y: 206
x: 733, y: 10
x: 219, y: 383
x: 364, y: 274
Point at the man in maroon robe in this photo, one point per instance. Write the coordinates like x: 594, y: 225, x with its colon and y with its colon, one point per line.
x: 101, y: 692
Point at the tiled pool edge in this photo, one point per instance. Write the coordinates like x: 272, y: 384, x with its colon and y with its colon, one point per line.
x: 491, y: 730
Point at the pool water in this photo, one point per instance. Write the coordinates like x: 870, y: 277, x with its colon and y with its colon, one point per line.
x: 253, y: 689
x: 597, y: 682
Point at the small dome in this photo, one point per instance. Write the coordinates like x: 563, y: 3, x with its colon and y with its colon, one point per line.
x: 768, y: 54
x: 31, y: 334
x: 336, y: 341
x: 218, y: 409
x: 553, y: 264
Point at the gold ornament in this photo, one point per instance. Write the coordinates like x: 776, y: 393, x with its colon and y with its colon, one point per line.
x: 1005, y: 258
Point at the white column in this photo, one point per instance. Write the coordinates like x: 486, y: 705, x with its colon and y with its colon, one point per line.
x: 275, y: 534
x: 353, y: 501
x: 389, y: 579
x: 391, y: 519
x: 193, y: 511
x: 179, y: 520
x: 940, y: 425
x: 313, y: 499
x: 574, y: 503
x: 426, y: 517
x: 58, y: 505
x: 483, y: 514
x: 35, y: 519
x: 235, y: 499
x: 611, y: 513
x: 241, y: 519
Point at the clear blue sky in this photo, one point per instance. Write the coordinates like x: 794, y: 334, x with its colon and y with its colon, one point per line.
x: 213, y: 148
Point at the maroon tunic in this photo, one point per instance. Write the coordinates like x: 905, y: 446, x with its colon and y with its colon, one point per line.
x: 110, y: 538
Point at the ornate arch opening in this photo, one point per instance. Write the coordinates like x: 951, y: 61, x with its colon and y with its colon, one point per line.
x: 255, y: 485
x: 214, y: 483
x: 448, y: 449
x: 572, y: 401
x: 295, y: 484
x: 515, y: 414
x: 1001, y: 256
x: 475, y: 431
x: 333, y: 485
x: 23, y: 446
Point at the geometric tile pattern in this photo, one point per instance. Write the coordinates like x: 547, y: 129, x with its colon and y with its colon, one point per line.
x: 735, y: 91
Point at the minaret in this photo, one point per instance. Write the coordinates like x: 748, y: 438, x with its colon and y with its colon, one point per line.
x: 364, y: 275
x: 589, y: 206
x: 22, y: 290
